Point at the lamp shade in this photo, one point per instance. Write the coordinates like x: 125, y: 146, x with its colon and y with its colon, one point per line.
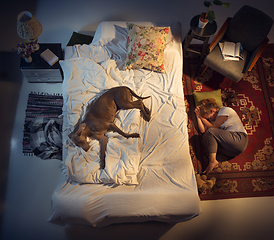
x: 27, y: 26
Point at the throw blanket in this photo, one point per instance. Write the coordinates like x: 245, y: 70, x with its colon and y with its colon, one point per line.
x: 46, y: 138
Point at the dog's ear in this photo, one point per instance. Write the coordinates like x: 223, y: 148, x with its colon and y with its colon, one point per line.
x: 82, y: 126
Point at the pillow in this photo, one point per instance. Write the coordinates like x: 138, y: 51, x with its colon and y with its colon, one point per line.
x: 217, y: 95
x: 79, y: 38
x: 108, y: 30
x: 145, y: 47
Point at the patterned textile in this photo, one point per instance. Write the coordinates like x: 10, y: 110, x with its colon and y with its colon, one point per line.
x: 46, y: 138
x: 146, y: 47
x: 250, y: 174
x: 45, y: 107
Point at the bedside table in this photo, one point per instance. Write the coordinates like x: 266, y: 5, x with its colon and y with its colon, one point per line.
x: 39, y: 70
x: 202, y: 34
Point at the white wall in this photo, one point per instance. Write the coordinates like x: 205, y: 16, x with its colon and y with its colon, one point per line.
x: 61, y: 17
x: 86, y: 14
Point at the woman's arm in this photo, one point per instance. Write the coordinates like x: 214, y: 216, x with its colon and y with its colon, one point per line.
x: 216, y: 124
x: 204, y: 124
x: 200, y: 123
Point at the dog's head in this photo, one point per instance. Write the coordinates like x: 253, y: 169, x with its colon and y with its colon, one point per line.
x: 79, y: 136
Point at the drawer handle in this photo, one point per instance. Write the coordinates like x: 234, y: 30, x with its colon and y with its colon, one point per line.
x: 41, y: 74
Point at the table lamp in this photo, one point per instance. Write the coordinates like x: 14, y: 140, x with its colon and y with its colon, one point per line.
x: 29, y: 28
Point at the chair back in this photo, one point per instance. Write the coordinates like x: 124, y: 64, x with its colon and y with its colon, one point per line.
x: 249, y: 26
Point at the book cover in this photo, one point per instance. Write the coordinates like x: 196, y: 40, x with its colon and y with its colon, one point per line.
x: 49, y: 57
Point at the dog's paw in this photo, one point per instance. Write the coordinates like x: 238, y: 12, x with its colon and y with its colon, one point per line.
x: 134, y: 135
x: 146, y: 117
x: 146, y: 114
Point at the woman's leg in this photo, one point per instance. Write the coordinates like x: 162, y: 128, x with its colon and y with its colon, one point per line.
x: 228, y: 143
x: 211, y: 147
x: 224, y: 142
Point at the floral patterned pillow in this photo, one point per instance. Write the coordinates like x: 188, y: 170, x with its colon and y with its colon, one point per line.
x: 145, y: 47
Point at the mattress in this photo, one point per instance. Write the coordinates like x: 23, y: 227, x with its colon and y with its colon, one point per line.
x: 148, y: 178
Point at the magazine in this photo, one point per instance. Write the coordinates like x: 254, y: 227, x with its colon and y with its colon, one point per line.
x: 231, y: 51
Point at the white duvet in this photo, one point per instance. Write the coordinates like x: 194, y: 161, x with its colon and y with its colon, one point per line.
x: 90, y: 69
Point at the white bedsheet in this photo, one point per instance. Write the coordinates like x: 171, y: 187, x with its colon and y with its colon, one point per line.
x: 88, y: 72
x: 151, y: 176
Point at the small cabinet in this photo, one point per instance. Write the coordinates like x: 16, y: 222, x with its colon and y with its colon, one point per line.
x: 39, y: 70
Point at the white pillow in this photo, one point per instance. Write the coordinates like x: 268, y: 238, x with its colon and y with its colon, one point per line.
x: 108, y: 30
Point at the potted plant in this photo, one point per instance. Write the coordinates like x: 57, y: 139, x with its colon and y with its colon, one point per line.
x: 209, y: 15
x: 25, y: 49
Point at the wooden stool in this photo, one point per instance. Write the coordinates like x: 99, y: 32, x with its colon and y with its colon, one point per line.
x: 202, y: 34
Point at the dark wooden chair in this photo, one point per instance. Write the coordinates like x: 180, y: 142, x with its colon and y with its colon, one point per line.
x: 249, y: 26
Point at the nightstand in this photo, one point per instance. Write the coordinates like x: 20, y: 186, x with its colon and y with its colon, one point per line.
x: 39, y: 70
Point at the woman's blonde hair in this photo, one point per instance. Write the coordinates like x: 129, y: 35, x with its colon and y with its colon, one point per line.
x: 208, y: 105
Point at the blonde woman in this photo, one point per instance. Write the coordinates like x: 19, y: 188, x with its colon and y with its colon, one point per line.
x: 224, y: 135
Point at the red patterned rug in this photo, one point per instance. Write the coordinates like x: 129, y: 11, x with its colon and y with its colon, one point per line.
x: 250, y: 174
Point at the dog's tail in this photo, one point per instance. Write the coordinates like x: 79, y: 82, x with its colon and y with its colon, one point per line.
x: 137, y: 96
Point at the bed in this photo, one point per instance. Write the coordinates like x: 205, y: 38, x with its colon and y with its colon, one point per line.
x: 150, y: 178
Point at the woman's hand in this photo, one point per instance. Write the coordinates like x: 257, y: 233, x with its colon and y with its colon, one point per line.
x: 198, y: 111
x: 201, y: 125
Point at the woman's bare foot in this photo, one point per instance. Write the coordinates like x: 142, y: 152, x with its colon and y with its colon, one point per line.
x: 211, y: 166
x: 213, y: 163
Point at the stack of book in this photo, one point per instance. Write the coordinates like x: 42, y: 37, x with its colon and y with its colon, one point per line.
x: 231, y: 51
